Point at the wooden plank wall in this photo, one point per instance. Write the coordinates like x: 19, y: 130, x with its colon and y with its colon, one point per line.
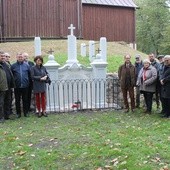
x: 114, y: 23
x: 45, y: 18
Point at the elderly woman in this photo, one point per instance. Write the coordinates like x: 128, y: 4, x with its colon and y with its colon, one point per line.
x: 39, y: 76
x: 147, y: 83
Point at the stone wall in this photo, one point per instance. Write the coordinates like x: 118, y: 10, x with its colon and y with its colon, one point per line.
x: 113, y: 91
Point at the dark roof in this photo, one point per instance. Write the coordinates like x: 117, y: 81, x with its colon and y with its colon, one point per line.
x: 121, y: 3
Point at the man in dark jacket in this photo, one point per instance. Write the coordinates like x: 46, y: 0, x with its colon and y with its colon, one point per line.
x: 156, y: 64
x: 165, y: 82
x: 21, y: 72
x: 3, y: 87
x: 31, y: 64
x: 127, y: 77
x: 10, y: 82
x: 138, y: 66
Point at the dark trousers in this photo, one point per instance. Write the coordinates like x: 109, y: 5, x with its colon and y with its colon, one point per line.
x: 7, y: 103
x: 21, y: 93
x: 137, y: 96
x: 157, y: 94
x: 148, y: 100
x: 29, y: 95
x: 2, y: 97
x: 166, y: 105
x: 125, y: 92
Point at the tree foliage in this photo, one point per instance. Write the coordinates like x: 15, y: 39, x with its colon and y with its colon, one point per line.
x: 153, y: 26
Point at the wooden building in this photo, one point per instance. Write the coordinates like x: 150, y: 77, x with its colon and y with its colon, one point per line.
x: 23, y: 19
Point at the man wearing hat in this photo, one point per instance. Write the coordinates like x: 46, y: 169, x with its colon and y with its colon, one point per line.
x: 160, y: 74
x: 138, y: 66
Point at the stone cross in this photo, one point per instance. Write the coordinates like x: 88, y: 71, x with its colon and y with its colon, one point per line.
x: 98, y: 50
x: 71, y: 28
x: 50, y: 51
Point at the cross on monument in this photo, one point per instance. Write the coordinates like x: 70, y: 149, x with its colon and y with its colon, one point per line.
x: 50, y: 51
x: 98, y: 50
x: 71, y: 28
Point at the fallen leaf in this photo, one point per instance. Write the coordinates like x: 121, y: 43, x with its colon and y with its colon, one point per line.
x: 30, y: 145
x: 108, y: 167
x: 99, y: 168
x: 20, y: 153
x: 114, y: 160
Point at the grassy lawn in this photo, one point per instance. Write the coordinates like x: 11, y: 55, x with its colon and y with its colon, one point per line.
x: 89, y: 141
x: 115, y: 51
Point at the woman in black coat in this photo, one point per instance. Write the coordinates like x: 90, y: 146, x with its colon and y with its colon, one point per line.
x: 39, y: 76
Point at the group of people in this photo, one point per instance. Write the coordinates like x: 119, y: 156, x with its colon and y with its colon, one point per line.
x: 22, y: 77
x: 148, y: 77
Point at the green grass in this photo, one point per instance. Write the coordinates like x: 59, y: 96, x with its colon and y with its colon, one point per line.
x: 113, y: 61
x: 86, y: 141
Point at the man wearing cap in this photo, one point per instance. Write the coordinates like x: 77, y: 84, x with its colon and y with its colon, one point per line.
x: 127, y: 77
x: 165, y: 82
x: 160, y: 74
x: 3, y: 87
x: 8, y: 58
x: 138, y: 66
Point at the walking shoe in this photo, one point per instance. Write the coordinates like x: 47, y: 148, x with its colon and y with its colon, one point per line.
x: 44, y: 114
x: 26, y: 115
x: 133, y: 110
x: 2, y: 120
x: 126, y: 110
x: 39, y: 114
x: 18, y: 115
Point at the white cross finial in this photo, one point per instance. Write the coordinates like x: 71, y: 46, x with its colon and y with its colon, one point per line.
x: 71, y: 28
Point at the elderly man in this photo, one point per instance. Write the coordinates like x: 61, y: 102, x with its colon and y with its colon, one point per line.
x: 21, y: 72
x: 138, y: 66
x: 165, y: 82
x: 127, y: 76
x: 31, y: 64
x: 3, y: 87
x: 10, y: 82
x: 156, y: 64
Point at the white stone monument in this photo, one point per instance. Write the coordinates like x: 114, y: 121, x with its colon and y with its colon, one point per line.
x: 74, y: 82
x: 103, y: 48
x: 83, y: 49
x: 72, y: 47
x: 91, y: 50
x: 37, y: 46
x: 98, y: 86
x: 52, y: 67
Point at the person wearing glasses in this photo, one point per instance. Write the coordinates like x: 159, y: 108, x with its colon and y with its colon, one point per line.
x: 165, y: 90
